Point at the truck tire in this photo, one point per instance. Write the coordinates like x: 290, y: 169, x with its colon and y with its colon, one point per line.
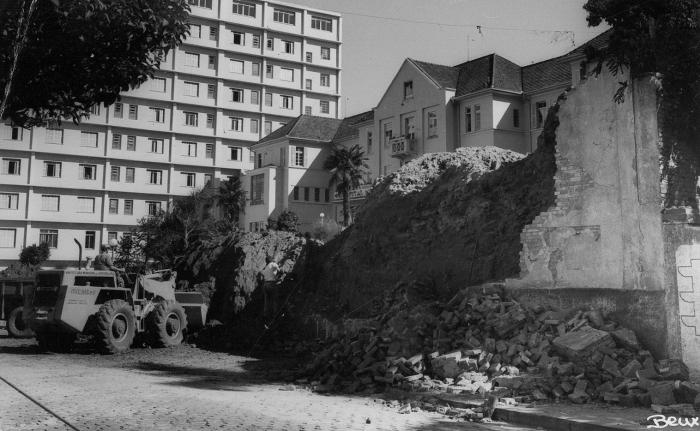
x: 116, y: 326
x: 166, y: 323
x: 59, y: 342
x: 16, y: 325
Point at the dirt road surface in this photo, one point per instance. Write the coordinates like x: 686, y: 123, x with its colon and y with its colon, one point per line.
x: 183, y: 388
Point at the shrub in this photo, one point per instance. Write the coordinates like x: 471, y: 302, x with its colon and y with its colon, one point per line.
x: 325, y: 230
x: 287, y: 221
x: 34, y: 254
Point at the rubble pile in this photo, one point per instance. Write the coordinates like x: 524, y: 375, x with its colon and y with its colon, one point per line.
x: 482, y: 343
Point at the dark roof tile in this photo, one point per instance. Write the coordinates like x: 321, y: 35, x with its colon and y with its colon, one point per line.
x: 349, y: 127
x: 445, y: 76
x: 308, y: 127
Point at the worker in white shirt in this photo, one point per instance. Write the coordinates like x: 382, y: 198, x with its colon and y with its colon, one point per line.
x: 270, y: 279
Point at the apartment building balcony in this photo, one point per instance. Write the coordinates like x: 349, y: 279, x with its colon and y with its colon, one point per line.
x: 354, y: 194
x: 403, y: 146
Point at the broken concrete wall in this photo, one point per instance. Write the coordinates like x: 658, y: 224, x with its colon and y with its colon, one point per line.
x: 604, y: 230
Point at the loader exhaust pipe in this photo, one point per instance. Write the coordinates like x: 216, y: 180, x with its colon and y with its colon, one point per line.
x: 80, y: 253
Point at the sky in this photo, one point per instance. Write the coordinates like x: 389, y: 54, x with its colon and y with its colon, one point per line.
x: 378, y: 35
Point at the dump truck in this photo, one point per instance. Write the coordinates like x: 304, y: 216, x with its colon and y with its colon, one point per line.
x: 68, y: 302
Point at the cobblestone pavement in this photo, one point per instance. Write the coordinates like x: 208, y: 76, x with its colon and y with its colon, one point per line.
x: 184, y: 388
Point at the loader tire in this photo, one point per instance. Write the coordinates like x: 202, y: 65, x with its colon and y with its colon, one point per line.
x: 16, y: 325
x: 166, y: 324
x: 116, y: 326
x: 58, y: 342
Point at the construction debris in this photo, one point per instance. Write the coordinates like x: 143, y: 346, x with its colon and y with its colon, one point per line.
x: 481, y: 344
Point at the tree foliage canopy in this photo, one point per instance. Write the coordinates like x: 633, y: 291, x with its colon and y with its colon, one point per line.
x: 661, y: 37
x: 34, y: 254
x: 83, y: 52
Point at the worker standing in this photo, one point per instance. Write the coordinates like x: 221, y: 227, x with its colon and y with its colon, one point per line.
x: 270, y: 280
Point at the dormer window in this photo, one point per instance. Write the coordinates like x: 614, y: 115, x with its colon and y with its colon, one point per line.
x: 408, y: 90
x: 582, y: 71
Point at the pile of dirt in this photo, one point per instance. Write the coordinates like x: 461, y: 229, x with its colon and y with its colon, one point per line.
x: 481, y: 343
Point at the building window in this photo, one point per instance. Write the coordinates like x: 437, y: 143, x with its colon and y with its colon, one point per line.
x: 88, y: 172
x: 245, y: 9
x: 268, y: 99
x: 256, y: 41
x: 325, y: 80
x: 253, y: 126
x: 236, y: 124
x: 111, y: 236
x: 117, y: 141
x: 236, y: 153
x: 213, y: 33
x: 325, y: 106
x: 116, y: 174
x: 50, y: 202
x: 191, y: 119
x: 95, y: 110
x: 255, y: 97
x: 295, y: 193
x: 128, y: 207
x: 236, y: 95
x: 153, y: 208
x: 209, y: 151
x: 9, y: 201
x: 255, y: 69
x: 54, y: 134
x: 211, y: 91
x: 89, y: 239
x: 88, y: 139
x: 516, y: 118
x: 288, y: 46
x: 307, y: 193
x: 236, y: 66
x: 317, y: 194
x: 260, y: 160
x: 129, y: 175
x: 582, y: 71
x: 540, y: 113
x: 118, y: 110
x: 308, y: 84
x: 287, y: 102
x: 191, y: 89
x: 327, y: 195
x: 369, y: 142
x: 8, y: 238
x: 190, y: 179
x: 207, y: 178
x: 309, y: 57
x: 191, y: 59
x: 388, y: 133
x: 156, y: 145
x: 210, y: 121
x: 283, y: 16
x: 432, y: 125
x: 157, y: 115
x: 257, y: 184
x: 299, y: 156
x: 48, y: 237
x: 308, y: 110
x: 52, y: 169
x: 200, y: 3
x: 477, y: 117
x: 114, y: 206
x: 131, y: 143
x: 157, y: 84
x: 271, y: 44
x: 238, y: 38
x: 133, y: 112
x: 468, y: 119
x: 155, y: 176
x: 268, y: 128
x: 320, y: 23
x: 325, y: 53
x: 211, y: 63
x: 191, y: 149
x: 87, y: 205
x: 269, y: 71
x: 408, y: 89
x: 286, y: 74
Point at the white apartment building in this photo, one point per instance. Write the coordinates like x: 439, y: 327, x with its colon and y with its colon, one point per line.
x: 246, y: 69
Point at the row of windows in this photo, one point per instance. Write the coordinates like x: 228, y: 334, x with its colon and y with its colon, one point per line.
x: 8, y: 237
x: 307, y: 194
x: 193, y: 59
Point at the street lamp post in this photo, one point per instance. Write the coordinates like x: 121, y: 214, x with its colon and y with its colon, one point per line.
x: 322, y: 215
x: 113, y: 243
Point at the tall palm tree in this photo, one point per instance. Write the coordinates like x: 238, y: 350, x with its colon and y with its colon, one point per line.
x: 347, y: 167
